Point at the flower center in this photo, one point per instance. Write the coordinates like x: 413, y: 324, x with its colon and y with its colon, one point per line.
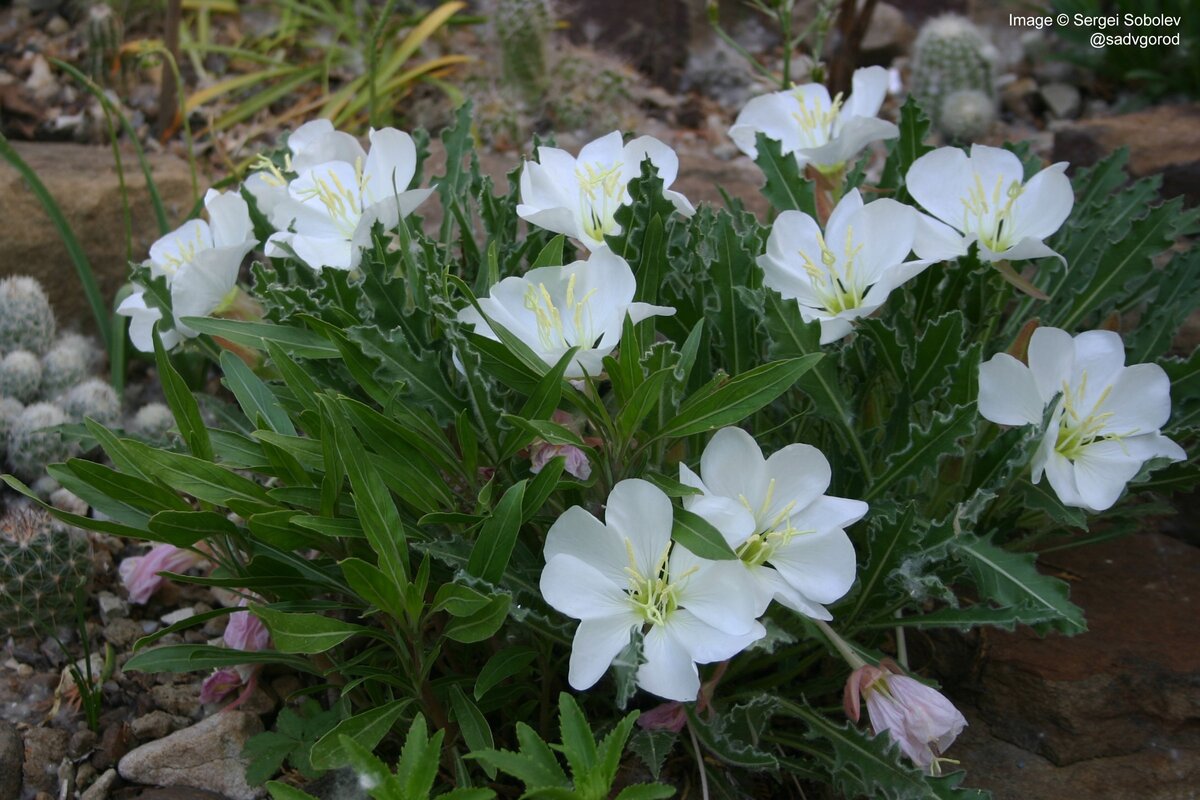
x: 772, y: 531
x: 836, y: 285
x: 655, y: 596
x: 816, y: 121
x: 186, y: 251
x: 600, y: 195
x: 552, y: 332
x: 985, y: 216
x: 1077, y: 430
x: 342, y: 203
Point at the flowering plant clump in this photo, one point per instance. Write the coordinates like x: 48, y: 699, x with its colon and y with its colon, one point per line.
x: 583, y: 437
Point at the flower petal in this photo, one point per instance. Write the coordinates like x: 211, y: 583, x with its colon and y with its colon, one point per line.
x: 770, y: 114
x: 1140, y: 400
x: 390, y: 165
x: 641, y: 513
x: 579, y: 590
x: 819, y: 565
x: 1008, y: 394
x: 801, y: 474
x: 705, y: 644
x: 733, y: 466
x: 939, y: 180
x: 669, y: 671
x: 1044, y: 204
x: 664, y: 159
x: 597, y: 642
x: 1051, y: 360
x: 577, y: 533
x: 1102, y: 470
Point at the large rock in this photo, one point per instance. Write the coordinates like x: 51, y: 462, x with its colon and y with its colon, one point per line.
x: 1126, y: 694
x: 10, y: 761
x: 208, y: 756
x: 45, y: 749
x: 83, y: 181
x: 1163, y: 139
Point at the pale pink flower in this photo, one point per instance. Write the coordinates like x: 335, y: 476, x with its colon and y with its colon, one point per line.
x: 245, y: 632
x: 540, y: 454
x: 919, y: 718
x: 219, y: 685
x: 140, y: 573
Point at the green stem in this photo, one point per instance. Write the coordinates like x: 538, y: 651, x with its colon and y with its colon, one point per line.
x: 841, y: 645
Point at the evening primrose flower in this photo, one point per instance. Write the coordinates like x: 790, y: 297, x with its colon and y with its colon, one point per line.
x: 142, y: 319
x: 847, y: 271
x: 985, y: 199
x: 624, y: 574
x: 815, y: 129
x: 579, y: 196
x: 918, y: 718
x: 1106, y: 420
x: 332, y: 206
x: 315, y: 142
x: 552, y: 309
x: 787, y: 533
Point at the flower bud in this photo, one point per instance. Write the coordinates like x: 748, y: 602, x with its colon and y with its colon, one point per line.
x: 140, y: 573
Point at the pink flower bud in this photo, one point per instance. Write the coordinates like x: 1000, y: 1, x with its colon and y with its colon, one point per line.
x: 666, y: 717
x: 246, y: 632
x: 219, y: 685
x: 140, y: 573
x: 577, y: 464
x: 919, y: 718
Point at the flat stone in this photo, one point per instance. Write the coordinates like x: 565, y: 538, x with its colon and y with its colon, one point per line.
x: 112, y: 607
x: 157, y: 725
x: 45, y: 748
x: 1162, y: 139
x: 178, y: 615
x: 102, y: 786
x: 1062, y: 99
x: 1130, y: 684
x: 182, y: 699
x: 10, y: 761
x: 207, y: 756
x: 121, y: 633
x: 83, y: 181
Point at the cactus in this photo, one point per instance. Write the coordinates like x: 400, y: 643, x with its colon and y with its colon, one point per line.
x: 152, y: 422
x: 20, y: 375
x: 72, y: 359
x: 93, y: 398
x: 103, y: 35
x: 26, y: 319
x: 42, y: 565
x: 34, y: 442
x: 522, y: 27
x: 950, y: 55
x: 967, y: 114
x: 10, y: 409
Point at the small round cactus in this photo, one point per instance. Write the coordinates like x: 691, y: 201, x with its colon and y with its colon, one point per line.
x: 950, y: 55
x: 42, y: 566
x: 153, y: 422
x: 967, y: 114
x: 26, y: 319
x: 34, y: 441
x: 10, y: 409
x: 72, y: 359
x: 522, y: 27
x: 93, y: 398
x: 20, y: 375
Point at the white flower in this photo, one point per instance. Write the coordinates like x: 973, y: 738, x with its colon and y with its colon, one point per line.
x: 580, y: 196
x: 553, y: 309
x: 313, y: 143
x: 1105, y: 425
x: 788, y: 534
x: 816, y: 130
x: 919, y: 718
x: 142, y: 319
x: 848, y: 271
x: 332, y: 206
x: 985, y: 199
x: 624, y: 574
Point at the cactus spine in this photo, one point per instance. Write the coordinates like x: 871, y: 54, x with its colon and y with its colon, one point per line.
x: 522, y: 27
x: 42, y: 566
x: 951, y: 56
x: 26, y: 319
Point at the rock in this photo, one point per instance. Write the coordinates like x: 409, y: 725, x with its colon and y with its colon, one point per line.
x: 178, y: 615
x: 112, y: 607
x: 170, y: 793
x: 45, y: 749
x: 100, y: 789
x: 115, y: 742
x: 1162, y: 139
x: 888, y: 36
x: 157, y: 725
x: 1128, y: 685
x: 1062, y: 100
x: 10, y: 761
x: 83, y: 180
x: 1019, y: 97
x: 83, y: 741
x: 121, y: 633
x: 182, y: 699
x: 208, y: 756
x: 66, y: 780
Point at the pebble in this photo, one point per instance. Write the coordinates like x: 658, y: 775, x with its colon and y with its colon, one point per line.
x: 122, y: 632
x: 45, y: 748
x: 10, y: 761
x: 1062, y: 99
x: 82, y: 742
x: 100, y: 789
x: 157, y: 725
x: 112, y: 607
x: 181, y: 699
x: 178, y: 615
x: 208, y: 755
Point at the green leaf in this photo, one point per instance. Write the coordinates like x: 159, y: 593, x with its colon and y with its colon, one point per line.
x: 926, y: 447
x: 201, y: 657
x: 1042, y: 497
x: 418, y: 765
x: 373, y: 586
x: 786, y: 186
x: 201, y: 479
x: 298, y: 342
x: 474, y: 726
x: 257, y: 401
x: 503, y: 665
x: 646, y: 791
x: 498, y: 537
x: 732, y: 269
x: 905, y: 149
x: 551, y: 255
x: 1006, y: 578
x: 304, y: 633
x: 458, y: 600
x: 890, y: 537
x: 653, y: 747
x: 182, y: 404
x: 645, y: 398
x: 480, y: 625
x: 551, y: 432
x: 367, y: 728
x: 578, y: 743
x: 185, y: 528
x: 730, y: 401
x: 699, y: 536
x: 284, y: 791
x: 534, y: 764
x: 370, y: 770
x: 938, y: 351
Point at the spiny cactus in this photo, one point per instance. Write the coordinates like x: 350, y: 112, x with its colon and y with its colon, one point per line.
x: 153, y: 422
x: 20, y: 375
x: 26, y: 319
x: 72, y: 359
x: 522, y: 27
x: 10, y: 409
x: 93, y: 398
x: 950, y: 55
x: 42, y: 565
x: 967, y: 114
x: 34, y: 441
